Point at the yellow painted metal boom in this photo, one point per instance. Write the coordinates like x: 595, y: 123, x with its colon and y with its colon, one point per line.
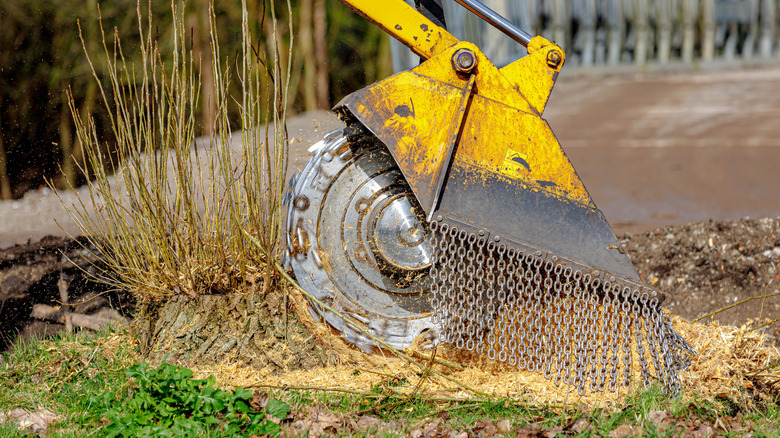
x: 422, y: 114
x: 405, y: 24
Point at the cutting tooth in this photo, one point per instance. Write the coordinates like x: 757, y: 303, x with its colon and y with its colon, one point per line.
x: 316, y: 258
x: 303, y: 241
x: 317, y: 147
x: 385, y: 329
x: 286, y: 256
x: 342, y: 149
x: 333, y: 135
x: 324, y: 174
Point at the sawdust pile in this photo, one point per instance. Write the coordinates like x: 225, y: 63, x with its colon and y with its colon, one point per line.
x: 732, y: 363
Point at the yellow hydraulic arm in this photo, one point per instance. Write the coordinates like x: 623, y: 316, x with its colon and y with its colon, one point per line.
x: 404, y: 23
x: 457, y: 89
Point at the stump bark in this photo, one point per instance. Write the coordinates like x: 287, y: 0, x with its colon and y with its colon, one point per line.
x: 258, y: 330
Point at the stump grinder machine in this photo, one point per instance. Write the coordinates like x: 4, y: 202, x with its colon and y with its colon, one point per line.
x: 447, y: 207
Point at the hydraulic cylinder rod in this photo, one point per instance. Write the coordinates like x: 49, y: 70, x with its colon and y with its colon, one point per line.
x: 497, y: 21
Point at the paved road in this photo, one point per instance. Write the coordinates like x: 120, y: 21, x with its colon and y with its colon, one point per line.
x: 676, y: 148
x: 652, y: 151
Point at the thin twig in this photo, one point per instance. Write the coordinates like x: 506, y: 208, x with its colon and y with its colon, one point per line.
x: 474, y: 401
x: 378, y: 373
x: 438, y: 360
x: 312, y: 388
x: 424, y: 375
x: 764, y: 325
x: 382, y: 406
x: 735, y: 305
x: 566, y: 399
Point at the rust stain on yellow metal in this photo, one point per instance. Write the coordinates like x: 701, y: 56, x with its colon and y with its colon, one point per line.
x: 415, y: 128
x: 503, y: 131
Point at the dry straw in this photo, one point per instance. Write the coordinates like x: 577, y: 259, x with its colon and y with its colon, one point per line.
x: 733, y: 363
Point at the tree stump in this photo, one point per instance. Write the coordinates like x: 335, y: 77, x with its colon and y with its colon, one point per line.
x: 258, y: 330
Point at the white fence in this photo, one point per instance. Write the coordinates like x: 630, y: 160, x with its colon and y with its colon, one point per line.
x: 624, y: 32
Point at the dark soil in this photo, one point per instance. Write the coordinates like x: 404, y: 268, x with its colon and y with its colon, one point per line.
x: 706, y: 266
x: 29, y: 275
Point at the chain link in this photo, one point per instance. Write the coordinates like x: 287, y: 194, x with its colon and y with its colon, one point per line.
x: 540, y: 315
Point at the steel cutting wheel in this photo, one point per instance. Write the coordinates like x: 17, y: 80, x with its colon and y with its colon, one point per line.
x: 358, y: 241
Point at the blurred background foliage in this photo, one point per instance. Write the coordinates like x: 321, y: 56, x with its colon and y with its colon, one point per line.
x: 334, y: 53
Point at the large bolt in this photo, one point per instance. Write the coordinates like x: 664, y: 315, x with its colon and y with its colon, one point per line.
x: 554, y: 59
x: 301, y: 203
x: 464, y: 60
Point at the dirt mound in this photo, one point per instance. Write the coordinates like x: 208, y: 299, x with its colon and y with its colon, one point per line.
x: 706, y: 266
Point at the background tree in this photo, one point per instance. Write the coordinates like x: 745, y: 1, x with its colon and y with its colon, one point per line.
x: 335, y: 52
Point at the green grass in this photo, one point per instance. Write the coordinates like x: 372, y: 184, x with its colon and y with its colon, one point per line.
x: 636, y: 410
x: 167, y: 401
x: 99, y: 387
x: 8, y: 431
x: 93, y: 381
x: 65, y: 374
